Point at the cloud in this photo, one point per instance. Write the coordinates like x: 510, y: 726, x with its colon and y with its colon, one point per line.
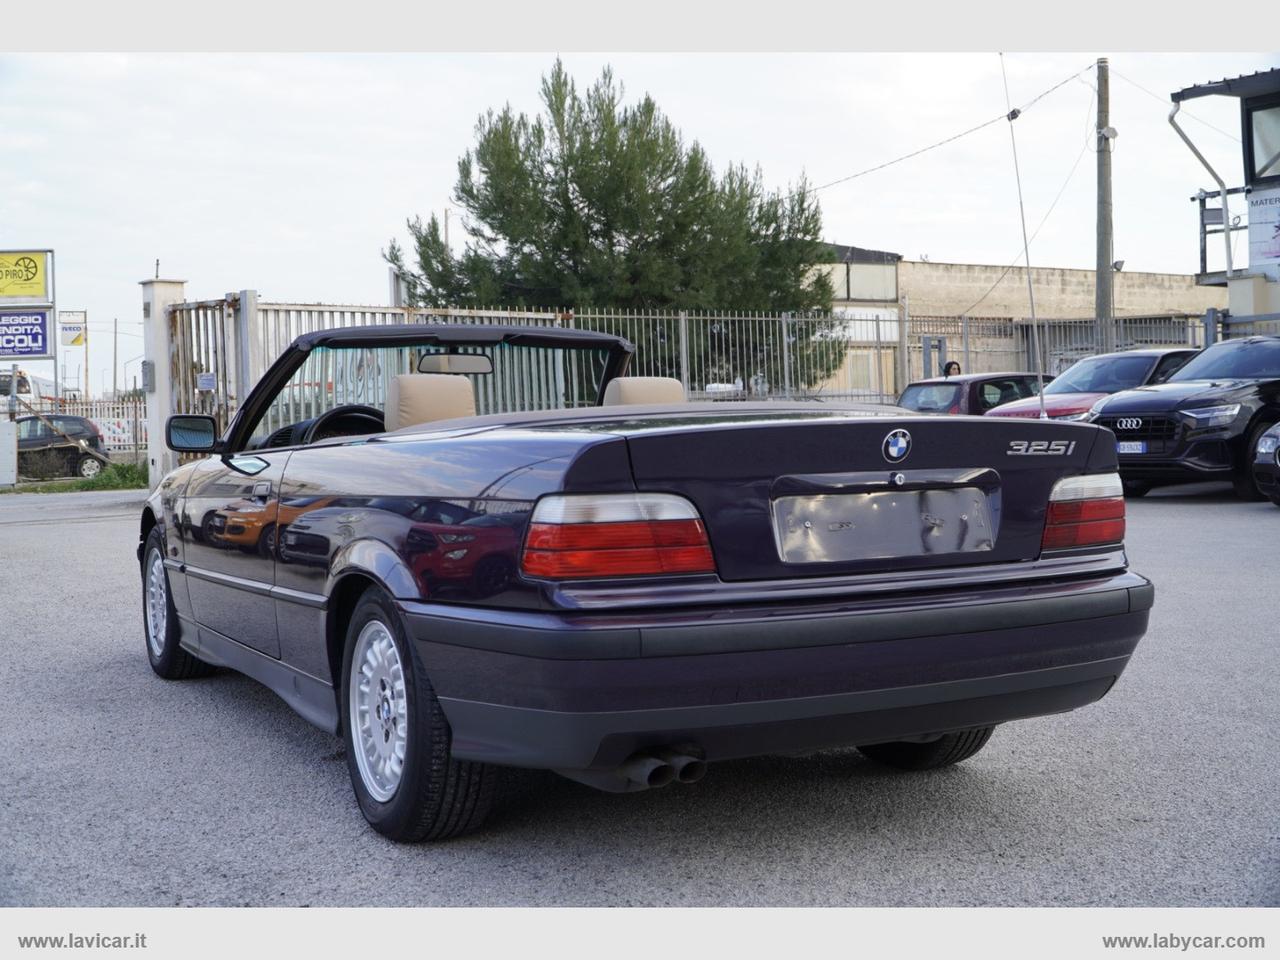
x: 288, y: 173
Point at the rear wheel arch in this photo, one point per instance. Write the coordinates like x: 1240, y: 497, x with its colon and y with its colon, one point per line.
x: 343, y: 598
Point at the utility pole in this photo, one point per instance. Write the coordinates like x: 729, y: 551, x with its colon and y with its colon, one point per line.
x: 446, y: 228
x: 115, y: 356
x: 1104, y: 275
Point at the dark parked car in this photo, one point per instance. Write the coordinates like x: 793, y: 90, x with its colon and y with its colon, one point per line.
x: 76, y: 442
x: 680, y: 583
x: 1266, y: 464
x: 973, y: 393
x: 1204, y: 423
x: 1074, y: 391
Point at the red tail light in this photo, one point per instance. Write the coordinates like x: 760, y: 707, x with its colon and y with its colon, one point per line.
x: 615, y: 535
x: 1085, y: 512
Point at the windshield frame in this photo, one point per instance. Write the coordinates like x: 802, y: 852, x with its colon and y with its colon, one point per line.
x: 239, y: 432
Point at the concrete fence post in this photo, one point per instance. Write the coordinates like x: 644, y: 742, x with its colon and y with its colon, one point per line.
x: 684, y: 352
x: 903, y: 371
x: 1211, y: 327
x: 249, y: 360
x: 158, y: 352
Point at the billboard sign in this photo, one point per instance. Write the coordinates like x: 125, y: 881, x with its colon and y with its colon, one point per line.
x: 74, y: 326
x: 24, y: 276
x: 26, y: 335
x: 1264, y: 231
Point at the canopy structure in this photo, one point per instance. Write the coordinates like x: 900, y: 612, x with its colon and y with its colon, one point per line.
x: 1251, y: 85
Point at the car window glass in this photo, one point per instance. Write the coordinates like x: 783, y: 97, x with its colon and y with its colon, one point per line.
x: 1168, y: 365
x: 930, y: 397
x: 1102, y: 375
x: 1230, y: 360
x: 29, y: 429
x: 6, y: 382
x: 996, y: 392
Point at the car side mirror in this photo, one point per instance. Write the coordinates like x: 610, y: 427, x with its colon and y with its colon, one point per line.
x: 191, y: 433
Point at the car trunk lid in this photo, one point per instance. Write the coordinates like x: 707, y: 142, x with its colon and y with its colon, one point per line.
x: 818, y: 496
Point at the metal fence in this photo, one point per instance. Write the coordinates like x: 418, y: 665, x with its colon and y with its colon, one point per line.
x: 1224, y: 327
x: 220, y: 348
x: 1006, y: 344
x: 123, y: 423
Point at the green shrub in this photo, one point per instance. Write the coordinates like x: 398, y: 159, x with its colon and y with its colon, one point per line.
x: 117, y: 476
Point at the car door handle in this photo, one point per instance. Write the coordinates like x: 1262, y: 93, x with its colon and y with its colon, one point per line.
x: 262, y: 490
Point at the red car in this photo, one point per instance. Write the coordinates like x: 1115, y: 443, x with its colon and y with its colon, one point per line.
x: 469, y: 552
x: 1074, y: 391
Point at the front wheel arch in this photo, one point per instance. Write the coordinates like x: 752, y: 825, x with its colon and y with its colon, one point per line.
x: 144, y: 530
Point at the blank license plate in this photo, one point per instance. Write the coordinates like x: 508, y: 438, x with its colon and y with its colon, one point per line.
x: 1131, y: 446
x: 883, y: 524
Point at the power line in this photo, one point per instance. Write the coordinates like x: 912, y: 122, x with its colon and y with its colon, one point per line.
x: 1185, y: 112
x: 1043, y: 220
x: 942, y: 143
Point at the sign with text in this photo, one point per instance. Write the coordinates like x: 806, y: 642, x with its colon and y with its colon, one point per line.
x: 1264, y: 231
x: 24, y: 276
x: 74, y: 325
x: 25, y: 334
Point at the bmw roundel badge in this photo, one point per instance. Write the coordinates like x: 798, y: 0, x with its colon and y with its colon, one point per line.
x: 896, y: 446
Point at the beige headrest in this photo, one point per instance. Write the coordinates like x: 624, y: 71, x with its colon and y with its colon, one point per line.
x: 643, y: 390
x: 424, y: 397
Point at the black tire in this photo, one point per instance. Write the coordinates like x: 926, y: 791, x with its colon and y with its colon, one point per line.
x: 943, y: 752
x: 1275, y: 500
x: 437, y: 797
x: 165, y: 654
x: 88, y: 467
x: 1136, y: 488
x: 267, y: 540
x: 1246, y: 487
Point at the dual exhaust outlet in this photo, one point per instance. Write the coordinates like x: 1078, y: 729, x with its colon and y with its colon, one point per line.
x: 657, y: 768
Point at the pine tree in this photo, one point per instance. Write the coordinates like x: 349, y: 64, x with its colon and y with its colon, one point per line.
x: 599, y: 203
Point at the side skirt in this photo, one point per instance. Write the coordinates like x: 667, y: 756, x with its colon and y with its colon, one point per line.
x: 313, y: 700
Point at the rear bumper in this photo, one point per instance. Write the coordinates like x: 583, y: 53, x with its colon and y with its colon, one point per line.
x: 584, y: 692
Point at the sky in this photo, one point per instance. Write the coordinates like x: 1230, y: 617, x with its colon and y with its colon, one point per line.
x: 289, y: 173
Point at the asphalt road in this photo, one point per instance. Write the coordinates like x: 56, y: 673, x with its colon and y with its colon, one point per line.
x: 118, y: 788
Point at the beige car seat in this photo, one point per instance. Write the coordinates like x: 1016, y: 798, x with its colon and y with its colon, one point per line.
x: 423, y: 397
x: 627, y: 390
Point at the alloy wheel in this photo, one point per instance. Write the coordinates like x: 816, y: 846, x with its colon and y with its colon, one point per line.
x: 378, y: 711
x: 157, y: 603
